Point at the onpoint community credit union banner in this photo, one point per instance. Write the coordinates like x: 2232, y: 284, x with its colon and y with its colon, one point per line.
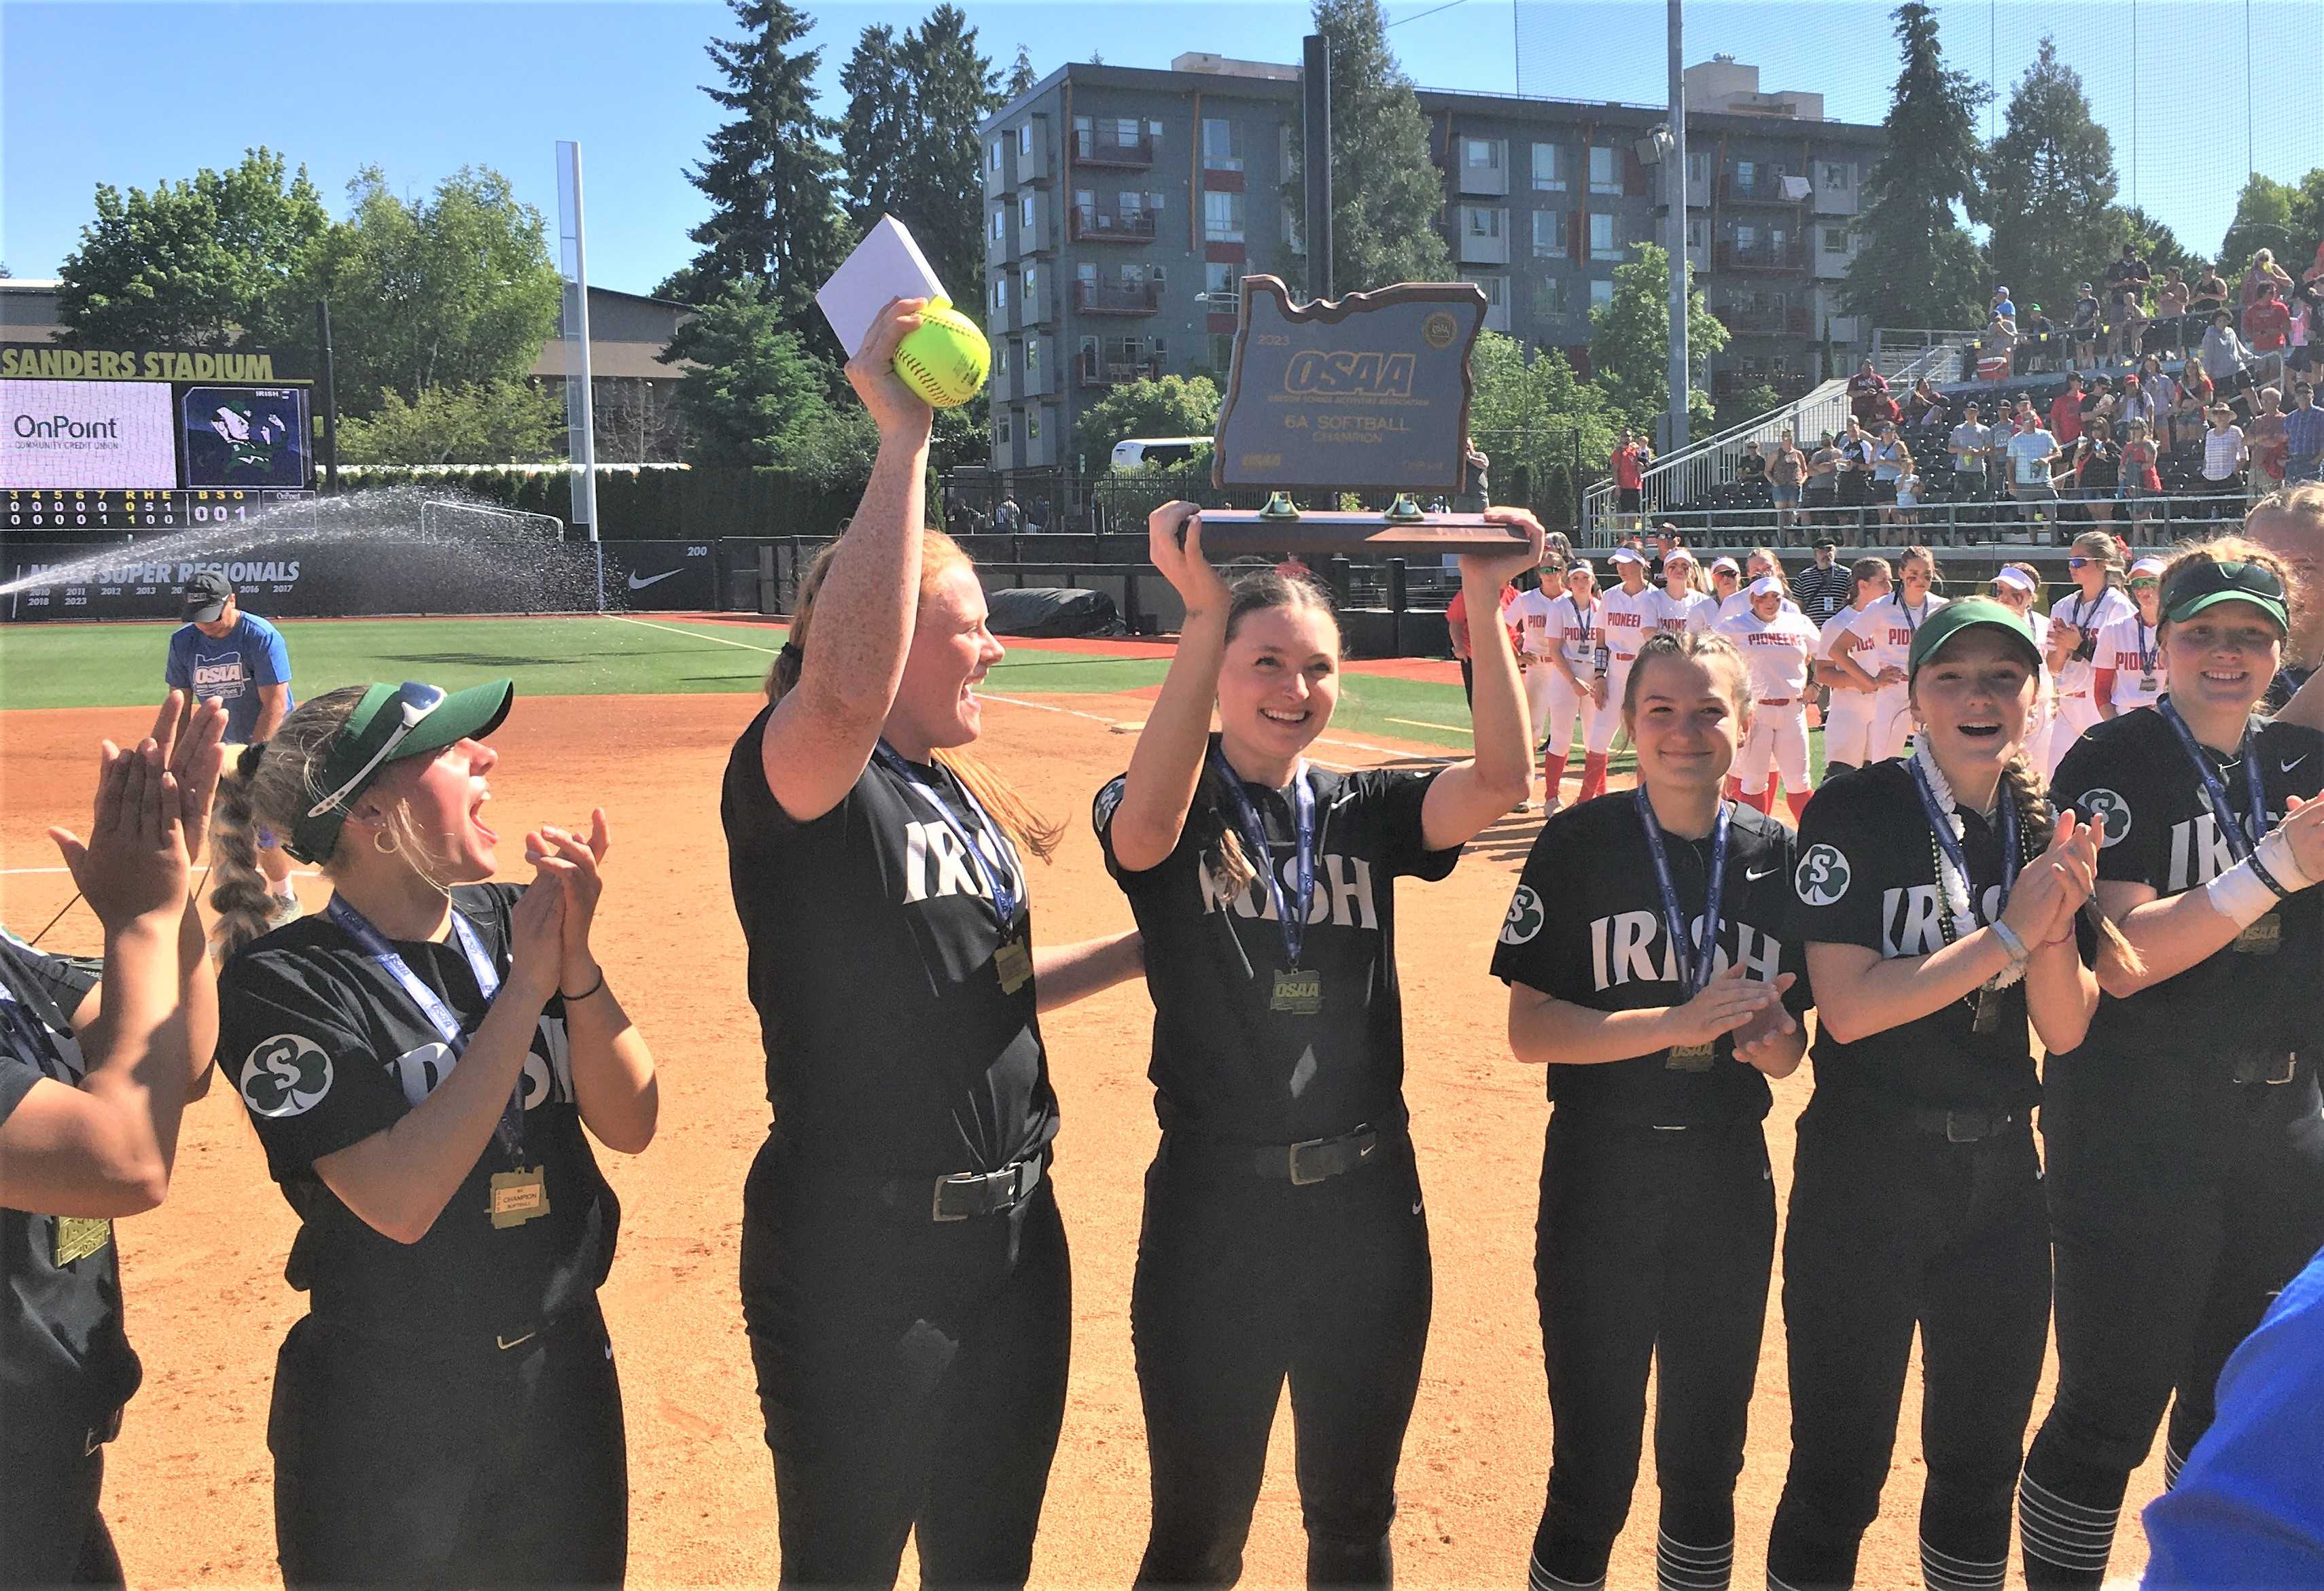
x: 86, y: 433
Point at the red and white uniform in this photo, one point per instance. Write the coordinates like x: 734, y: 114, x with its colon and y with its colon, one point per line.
x: 1570, y: 629
x: 1848, y: 722
x: 1690, y: 611
x: 1886, y: 630
x: 1629, y: 620
x: 1739, y: 602
x: 2077, y: 709
x: 2131, y: 649
x: 1777, y: 653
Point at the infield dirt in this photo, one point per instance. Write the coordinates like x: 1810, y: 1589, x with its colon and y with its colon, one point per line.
x: 189, y: 1486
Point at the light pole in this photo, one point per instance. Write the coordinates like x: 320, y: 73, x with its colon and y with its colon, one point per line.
x: 1675, y: 185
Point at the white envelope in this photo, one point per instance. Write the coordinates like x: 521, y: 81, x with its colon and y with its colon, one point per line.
x: 887, y: 264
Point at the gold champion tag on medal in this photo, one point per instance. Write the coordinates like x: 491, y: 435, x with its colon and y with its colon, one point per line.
x: 2264, y: 938
x: 1013, y: 961
x: 1300, y: 993
x: 519, y: 1195
x: 1691, y: 1058
x: 79, y: 1236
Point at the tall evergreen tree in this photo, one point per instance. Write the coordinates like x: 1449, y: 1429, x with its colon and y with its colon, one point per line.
x: 877, y: 134
x: 2157, y: 244
x: 1386, y: 190
x: 1021, y: 77
x: 2049, y: 187
x: 1916, y: 265
x: 940, y: 194
x: 771, y: 177
x: 2285, y: 217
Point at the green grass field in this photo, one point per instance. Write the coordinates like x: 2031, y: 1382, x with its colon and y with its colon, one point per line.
x: 120, y: 665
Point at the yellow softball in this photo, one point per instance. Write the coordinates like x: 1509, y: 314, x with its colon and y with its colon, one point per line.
x: 944, y: 358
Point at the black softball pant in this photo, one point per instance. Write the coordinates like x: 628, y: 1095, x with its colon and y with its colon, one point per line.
x: 1893, y: 1228
x: 52, y: 1532
x: 400, y: 1464
x: 1653, y: 1245
x: 1242, y: 1284
x: 911, y: 1373
x: 2178, y: 1207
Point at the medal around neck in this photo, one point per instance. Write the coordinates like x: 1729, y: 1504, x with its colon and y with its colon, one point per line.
x: 1367, y: 394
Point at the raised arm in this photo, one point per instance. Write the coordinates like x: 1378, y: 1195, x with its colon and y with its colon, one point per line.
x: 1467, y: 796
x: 613, y: 1083
x: 1168, y: 763
x: 821, y: 734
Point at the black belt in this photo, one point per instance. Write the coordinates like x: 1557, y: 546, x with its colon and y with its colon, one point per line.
x: 102, y: 1432
x: 1302, y: 1164
x: 2272, y: 1069
x: 966, y: 1195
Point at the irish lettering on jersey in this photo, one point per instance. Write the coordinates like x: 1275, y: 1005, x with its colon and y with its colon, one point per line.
x: 1634, y: 946
x: 1343, y: 894
x: 1910, y: 921
x: 936, y: 864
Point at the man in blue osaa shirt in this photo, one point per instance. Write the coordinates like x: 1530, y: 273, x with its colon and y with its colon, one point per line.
x: 223, y: 654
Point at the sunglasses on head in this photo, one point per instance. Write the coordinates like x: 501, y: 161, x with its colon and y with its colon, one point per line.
x: 414, y: 701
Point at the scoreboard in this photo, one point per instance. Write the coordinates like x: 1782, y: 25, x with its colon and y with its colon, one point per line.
x: 26, y: 510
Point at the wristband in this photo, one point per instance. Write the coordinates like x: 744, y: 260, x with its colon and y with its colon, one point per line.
x: 584, y: 993
x: 2012, y: 943
x: 2277, y: 862
x: 2239, y: 895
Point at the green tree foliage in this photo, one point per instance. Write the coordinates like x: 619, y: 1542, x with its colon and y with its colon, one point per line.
x: 457, y: 288
x: 1528, y: 410
x: 1748, y: 404
x: 877, y: 134
x: 941, y: 197
x: 1386, y: 190
x: 2284, y: 216
x: 2050, y: 187
x: 2156, y: 244
x: 208, y: 263
x: 771, y: 177
x: 1629, y: 342
x: 1916, y: 265
x: 1021, y: 77
x: 488, y: 422
x: 1173, y: 406
x: 753, y: 394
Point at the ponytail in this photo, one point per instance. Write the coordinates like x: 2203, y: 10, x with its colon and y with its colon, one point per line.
x: 2037, y: 819
x: 241, y: 897
x: 270, y: 784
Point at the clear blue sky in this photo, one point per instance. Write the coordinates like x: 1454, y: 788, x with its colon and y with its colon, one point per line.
x: 130, y: 94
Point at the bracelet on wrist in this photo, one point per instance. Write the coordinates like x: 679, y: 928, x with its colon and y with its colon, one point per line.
x: 2260, y: 872
x: 584, y: 993
x: 2010, y: 942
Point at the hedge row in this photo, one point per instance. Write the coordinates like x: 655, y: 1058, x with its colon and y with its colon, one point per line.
x: 693, y: 504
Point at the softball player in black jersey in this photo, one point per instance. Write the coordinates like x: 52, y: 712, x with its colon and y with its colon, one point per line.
x: 2185, y: 1179
x: 419, y: 1061
x: 92, y: 1085
x: 1648, y: 958
x: 1284, y: 1236
x: 1937, y: 896
x: 904, y: 1269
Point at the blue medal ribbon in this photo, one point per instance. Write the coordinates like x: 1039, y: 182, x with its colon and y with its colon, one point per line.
x: 1949, y: 843
x: 2240, y: 839
x: 999, y: 882
x: 1695, y: 959
x: 1291, y: 910
x: 373, y: 944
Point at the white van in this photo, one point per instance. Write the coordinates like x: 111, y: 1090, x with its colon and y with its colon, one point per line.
x: 1162, y: 450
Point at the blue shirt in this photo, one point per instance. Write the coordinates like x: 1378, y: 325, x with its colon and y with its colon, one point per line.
x: 2247, y: 1509
x: 2303, y: 432
x: 231, y: 669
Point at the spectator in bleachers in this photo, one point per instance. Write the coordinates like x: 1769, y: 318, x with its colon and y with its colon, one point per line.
x: 2032, y: 457
x: 1628, y: 465
x: 2137, y: 404
x: 2141, y: 477
x: 2098, y: 406
x: 2001, y: 308
x: 1751, y: 469
x: 2097, y: 474
x: 2127, y: 270
x: 1924, y: 405
x: 1822, y: 494
x: 1890, y: 458
x: 2189, y: 415
x: 2156, y: 383
x: 2262, y: 271
x: 2088, y: 314
x: 1995, y: 347
x: 1786, y: 470
x: 1907, y: 509
x: 2263, y: 439
x: 2066, y: 412
x: 2170, y: 306
x: 2127, y: 334
x: 2210, y: 292
x: 2301, y: 359
x: 2303, y: 436
x: 2040, y: 339
x: 1822, y: 589
x: 1855, y: 474
x: 2224, y: 454
x: 2267, y: 323
x: 2224, y: 352
x: 1970, y: 442
x: 1864, y: 387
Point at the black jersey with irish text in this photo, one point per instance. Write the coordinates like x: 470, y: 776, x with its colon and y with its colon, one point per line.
x: 1586, y: 926
x: 892, y: 1047
x: 1226, y: 1063
x: 326, y: 1049
x: 65, y: 1363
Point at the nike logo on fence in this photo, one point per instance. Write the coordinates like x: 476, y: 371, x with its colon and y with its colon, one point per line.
x: 638, y: 584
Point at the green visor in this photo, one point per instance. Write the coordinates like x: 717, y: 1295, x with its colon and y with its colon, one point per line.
x: 391, y: 724
x: 2205, y: 584
x: 1969, y: 613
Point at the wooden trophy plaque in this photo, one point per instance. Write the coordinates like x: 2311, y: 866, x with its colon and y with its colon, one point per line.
x: 1367, y: 393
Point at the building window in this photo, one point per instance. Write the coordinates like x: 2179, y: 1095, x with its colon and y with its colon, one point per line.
x: 1089, y: 359
x: 1839, y: 176
x: 1698, y: 172
x: 1605, y: 169
x: 1549, y: 234
x: 1602, y: 245
x: 1746, y: 238
x: 1548, y: 169
x: 1481, y: 220
x: 1157, y: 274
x: 1032, y: 287
x: 1029, y: 214
x: 1001, y: 427
x: 1602, y: 292
x: 1085, y: 201
x: 1156, y: 353
x: 1000, y: 358
x: 1032, y: 360
x: 1497, y: 290
x: 1001, y: 293
x: 1218, y: 277
x: 999, y: 224
x: 1222, y: 149
x: 1481, y: 153
x: 1085, y: 270
x: 1025, y: 138
x: 1223, y: 218
x: 1032, y: 425
x: 1549, y: 296
x: 993, y: 153
x: 1835, y: 240
x: 1698, y: 234
x: 1746, y: 174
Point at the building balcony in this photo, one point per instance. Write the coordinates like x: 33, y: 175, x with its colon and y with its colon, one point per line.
x: 1096, y: 225
x: 1107, y: 147
x: 1761, y: 256
x: 1765, y: 187
x: 1729, y: 384
x: 1764, y: 320
x: 1836, y: 201
x: 1117, y: 297
x: 1111, y: 373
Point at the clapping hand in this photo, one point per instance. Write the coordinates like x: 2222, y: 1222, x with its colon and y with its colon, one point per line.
x: 1729, y: 1001
x: 577, y: 861
x: 192, y: 748
x: 134, y: 864
x: 1758, y: 1042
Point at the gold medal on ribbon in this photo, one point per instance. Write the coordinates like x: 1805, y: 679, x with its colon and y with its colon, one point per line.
x: 1014, y: 964
x: 79, y: 1236
x: 2264, y: 938
x: 1691, y: 1058
x: 1298, y: 993
x: 520, y: 1196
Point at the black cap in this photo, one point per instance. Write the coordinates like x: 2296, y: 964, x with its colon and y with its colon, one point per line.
x: 205, y: 596
x: 1824, y: 541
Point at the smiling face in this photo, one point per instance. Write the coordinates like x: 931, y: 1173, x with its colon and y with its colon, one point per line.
x: 1973, y: 699
x: 1279, y: 682
x: 443, y: 798
x: 1685, y: 719
x: 2222, y: 658
x: 935, y: 701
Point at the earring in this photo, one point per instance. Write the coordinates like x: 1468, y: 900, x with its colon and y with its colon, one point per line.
x: 385, y: 842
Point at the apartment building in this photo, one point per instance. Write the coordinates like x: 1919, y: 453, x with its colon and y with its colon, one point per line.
x: 1125, y: 205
